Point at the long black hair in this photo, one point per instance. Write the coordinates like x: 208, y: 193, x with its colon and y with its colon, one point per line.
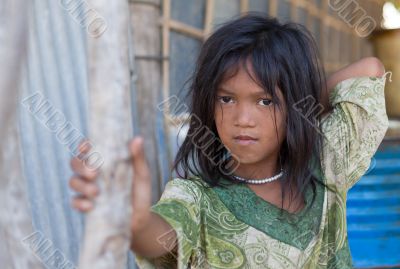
x: 283, y: 55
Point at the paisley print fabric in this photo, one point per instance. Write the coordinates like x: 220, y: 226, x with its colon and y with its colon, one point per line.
x: 234, y: 228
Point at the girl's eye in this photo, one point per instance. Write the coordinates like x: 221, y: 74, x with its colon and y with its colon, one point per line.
x: 225, y: 99
x: 265, y: 102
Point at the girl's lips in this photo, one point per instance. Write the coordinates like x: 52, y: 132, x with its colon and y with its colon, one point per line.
x: 245, y: 137
x: 245, y: 140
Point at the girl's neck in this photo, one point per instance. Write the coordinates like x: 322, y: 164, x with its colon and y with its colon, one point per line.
x: 272, y: 193
x: 257, y: 170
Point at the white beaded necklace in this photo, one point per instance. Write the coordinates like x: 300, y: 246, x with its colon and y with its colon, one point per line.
x: 260, y: 181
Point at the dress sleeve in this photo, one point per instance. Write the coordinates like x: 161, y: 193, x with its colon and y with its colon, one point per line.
x: 354, y: 129
x: 179, y: 205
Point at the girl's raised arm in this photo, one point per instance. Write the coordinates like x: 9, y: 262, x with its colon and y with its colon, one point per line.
x: 357, y: 124
x: 366, y: 67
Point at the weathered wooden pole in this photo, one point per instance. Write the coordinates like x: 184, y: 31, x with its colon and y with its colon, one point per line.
x: 15, y: 217
x: 107, y: 231
x: 145, y: 21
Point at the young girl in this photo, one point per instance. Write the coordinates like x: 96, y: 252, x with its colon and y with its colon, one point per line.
x: 271, y: 151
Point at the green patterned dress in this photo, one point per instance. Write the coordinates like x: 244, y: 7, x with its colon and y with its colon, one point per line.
x: 234, y: 228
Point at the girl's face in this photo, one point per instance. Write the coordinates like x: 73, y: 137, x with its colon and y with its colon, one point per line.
x: 245, y: 119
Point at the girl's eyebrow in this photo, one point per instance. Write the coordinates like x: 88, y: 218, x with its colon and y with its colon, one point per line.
x: 224, y: 91
x: 257, y: 93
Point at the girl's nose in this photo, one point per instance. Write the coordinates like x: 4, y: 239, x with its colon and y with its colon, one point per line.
x: 243, y: 116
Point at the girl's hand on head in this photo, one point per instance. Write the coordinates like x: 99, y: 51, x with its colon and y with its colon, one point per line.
x: 84, y: 181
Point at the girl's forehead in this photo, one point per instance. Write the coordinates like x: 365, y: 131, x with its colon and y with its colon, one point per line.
x: 239, y: 74
x: 244, y: 79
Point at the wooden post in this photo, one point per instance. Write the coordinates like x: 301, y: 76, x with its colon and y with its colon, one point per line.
x: 15, y: 217
x: 107, y: 231
x: 151, y: 87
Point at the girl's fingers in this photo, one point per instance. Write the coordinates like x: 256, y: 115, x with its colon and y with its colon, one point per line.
x: 141, y: 186
x: 139, y: 162
x: 84, y: 146
x: 85, y: 188
x: 138, y: 158
x: 80, y: 165
x: 82, y: 204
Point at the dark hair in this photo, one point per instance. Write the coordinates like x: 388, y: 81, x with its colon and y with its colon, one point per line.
x: 283, y: 55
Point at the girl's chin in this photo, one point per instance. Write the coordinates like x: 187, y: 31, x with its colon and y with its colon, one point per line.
x: 245, y: 160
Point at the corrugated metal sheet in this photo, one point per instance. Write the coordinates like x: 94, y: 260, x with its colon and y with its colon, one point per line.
x: 56, y: 68
x: 373, y: 212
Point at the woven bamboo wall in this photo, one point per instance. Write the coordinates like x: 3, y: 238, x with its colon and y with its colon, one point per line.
x: 192, y: 21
